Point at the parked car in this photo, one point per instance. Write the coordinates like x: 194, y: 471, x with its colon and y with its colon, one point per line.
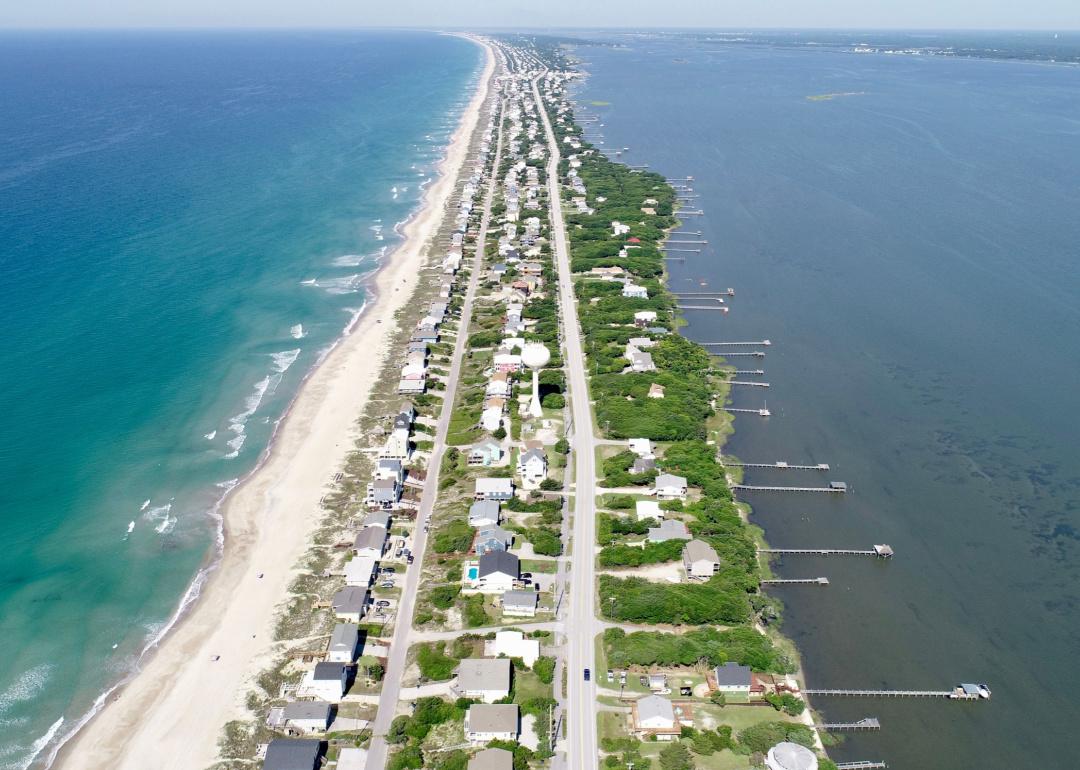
x: 526, y: 576
x: 588, y: 675
x: 388, y: 570
x: 410, y: 559
x: 382, y: 603
x: 386, y: 584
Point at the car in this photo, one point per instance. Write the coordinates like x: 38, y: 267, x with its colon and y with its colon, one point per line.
x: 382, y: 603
x: 388, y: 570
x: 387, y: 584
x: 588, y: 675
x: 526, y: 576
x: 410, y: 559
x: 397, y: 554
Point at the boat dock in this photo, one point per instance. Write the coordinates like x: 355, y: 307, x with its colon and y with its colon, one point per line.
x: 881, y: 551
x: 687, y: 251
x: 861, y: 765
x: 780, y: 464
x: 762, y: 343
x: 755, y: 354
x: 685, y: 232
x: 835, y: 487
x: 819, y: 581
x: 867, y: 723
x: 703, y: 307
x: 703, y: 242
x: 751, y: 372
x: 960, y: 692
x: 762, y: 412
x: 688, y: 213
x: 725, y: 293
x: 751, y: 384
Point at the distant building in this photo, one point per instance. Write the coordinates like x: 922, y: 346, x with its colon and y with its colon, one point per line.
x: 656, y: 391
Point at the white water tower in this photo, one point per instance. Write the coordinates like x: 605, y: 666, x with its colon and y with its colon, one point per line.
x: 535, y: 356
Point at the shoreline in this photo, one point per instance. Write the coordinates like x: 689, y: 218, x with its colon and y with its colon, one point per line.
x: 259, y: 542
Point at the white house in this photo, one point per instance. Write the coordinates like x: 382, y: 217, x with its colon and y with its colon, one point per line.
x: 343, y: 643
x: 654, y: 713
x: 520, y: 604
x: 507, y: 362
x: 513, y: 644
x: 648, y: 509
x: 494, y: 489
x: 640, y: 361
x: 360, y: 571
x: 634, y: 291
x: 700, y: 559
x: 369, y: 542
x: 491, y: 418
x: 642, y: 447
x: 325, y: 682
x: 618, y: 228
x: 497, y: 572
x: 670, y: 487
x: 350, y: 603
x: 733, y: 678
x: 491, y: 722
x: 643, y: 318
x: 486, y: 679
x: 306, y: 717
x: 532, y: 466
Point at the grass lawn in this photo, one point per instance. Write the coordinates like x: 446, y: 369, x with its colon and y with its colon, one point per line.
x: 549, y: 566
x: 528, y: 685
x: 611, y: 725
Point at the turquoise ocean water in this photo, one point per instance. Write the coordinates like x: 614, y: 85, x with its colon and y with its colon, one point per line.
x: 186, y: 223
x: 910, y: 247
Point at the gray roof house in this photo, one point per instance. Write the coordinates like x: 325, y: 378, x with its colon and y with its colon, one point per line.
x: 492, y: 759
x: 370, y: 541
x: 378, y: 519
x: 484, y: 513
x: 495, y: 721
x: 293, y: 754
x: 640, y: 361
x: 350, y: 603
x: 485, y: 678
x: 670, y: 487
x: 654, y: 713
x: 343, y: 643
x: 700, y: 559
x: 520, y: 603
x: 307, y: 716
x: 669, y: 529
x: 383, y: 492
x: 641, y: 465
x: 731, y: 677
x: 497, y: 572
x: 492, y: 539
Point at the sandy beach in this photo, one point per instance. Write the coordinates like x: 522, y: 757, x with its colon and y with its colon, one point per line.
x: 171, y: 713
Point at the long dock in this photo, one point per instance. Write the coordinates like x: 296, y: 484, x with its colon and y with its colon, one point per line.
x: 882, y: 551
x: 762, y: 343
x: 755, y: 354
x: 762, y: 412
x: 696, y: 213
x: 751, y: 372
x: 861, y: 765
x: 751, y: 384
x: 867, y: 723
x: 835, y: 487
x: 960, y: 692
x: 781, y: 465
x: 686, y: 232
x: 684, y: 251
x: 820, y: 581
x: 721, y: 293
x: 704, y: 307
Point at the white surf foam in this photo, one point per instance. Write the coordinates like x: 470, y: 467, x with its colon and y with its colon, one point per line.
x: 284, y: 359
x: 297, y: 332
x: 26, y: 687
x: 160, y: 516
x: 37, y: 746
x: 145, y: 505
x: 348, y: 260
x: 210, y: 436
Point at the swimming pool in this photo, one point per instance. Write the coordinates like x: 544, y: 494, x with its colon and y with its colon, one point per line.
x: 474, y: 572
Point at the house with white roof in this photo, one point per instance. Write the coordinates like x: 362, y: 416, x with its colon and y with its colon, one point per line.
x: 343, y: 643
x: 513, y: 644
x: 642, y: 447
x: 634, y: 291
x: 485, y: 513
x: 643, y: 318
x: 532, y: 467
x: 360, y: 571
x: 499, y: 488
x: 654, y: 714
x: 640, y: 361
x: 648, y: 509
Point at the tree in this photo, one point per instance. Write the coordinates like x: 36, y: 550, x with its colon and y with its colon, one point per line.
x: 550, y: 485
x: 675, y: 756
x: 718, y: 699
x: 544, y: 668
x: 554, y: 401
x: 500, y: 433
x: 562, y: 446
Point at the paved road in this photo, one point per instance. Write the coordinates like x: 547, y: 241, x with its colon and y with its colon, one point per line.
x: 399, y: 648
x: 581, y: 623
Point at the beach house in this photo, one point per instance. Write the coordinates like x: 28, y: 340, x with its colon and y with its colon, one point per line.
x: 491, y: 722
x: 670, y: 487
x: 360, y: 571
x: 648, y: 509
x: 497, y: 573
x: 532, y: 467
x: 642, y: 447
x: 492, y: 759
x: 643, y: 318
x: 669, y: 529
x: 640, y: 361
x: 634, y: 291
x: 490, y: 539
x: 294, y: 754
x: 327, y: 682
x: 485, y: 513
x: 343, y: 643
x: 350, y: 603
x: 733, y: 678
x: 486, y: 679
x: 370, y: 542
x: 485, y: 453
x: 494, y: 488
x: 513, y: 644
x: 655, y: 715
x: 700, y: 559
x: 306, y: 717
x: 520, y: 603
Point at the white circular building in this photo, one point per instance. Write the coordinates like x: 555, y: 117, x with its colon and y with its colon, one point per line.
x: 535, y: 356
x: 790, y: 756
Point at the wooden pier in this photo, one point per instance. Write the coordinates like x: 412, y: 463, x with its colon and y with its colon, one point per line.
x: 867, y: 723
x: 685, y: 251
x: 722, y: 293
x: 881, y: 551
x: 762, y: 343
x: 755, y: 354
x: 695, y: 213
x: 751, y: 384
x: 779, y: 464
x: 751, y: 372
x: 685, y: 232
x: 701, y: 241
x: 762, y: 412
x: 719, y: 308
x: 835, y: 487
x: 861, y: 765
x: 818, y: 581
x: 960, y: 692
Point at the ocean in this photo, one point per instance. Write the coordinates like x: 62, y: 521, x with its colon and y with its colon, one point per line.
x: 187, y: 221
x: 903, y: 227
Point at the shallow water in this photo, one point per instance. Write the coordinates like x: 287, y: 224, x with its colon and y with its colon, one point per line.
x: 910, y: 251
x: 186, y: 221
